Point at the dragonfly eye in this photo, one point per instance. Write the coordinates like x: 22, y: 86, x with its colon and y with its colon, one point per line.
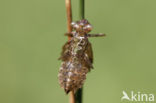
x: 75, y: 25
x: 88, y: 28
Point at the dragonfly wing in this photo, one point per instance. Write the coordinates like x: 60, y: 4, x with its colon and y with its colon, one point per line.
x: 89, y: 55
x: 65, y: 51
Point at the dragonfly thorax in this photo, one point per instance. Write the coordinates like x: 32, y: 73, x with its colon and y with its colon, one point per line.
x: 79, y: 44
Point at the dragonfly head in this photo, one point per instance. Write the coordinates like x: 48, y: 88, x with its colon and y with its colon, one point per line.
x: 82, y: 26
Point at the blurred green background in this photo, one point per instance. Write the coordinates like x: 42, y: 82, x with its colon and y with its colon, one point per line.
x: 31, y: 37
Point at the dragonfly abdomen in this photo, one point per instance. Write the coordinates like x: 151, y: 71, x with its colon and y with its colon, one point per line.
x: 72, y: 77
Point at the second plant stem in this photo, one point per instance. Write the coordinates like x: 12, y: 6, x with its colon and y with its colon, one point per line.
x: 79, y: 93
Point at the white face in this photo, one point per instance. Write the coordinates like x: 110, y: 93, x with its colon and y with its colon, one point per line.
x: 82, y: 26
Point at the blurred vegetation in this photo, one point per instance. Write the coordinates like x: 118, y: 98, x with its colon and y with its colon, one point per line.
x: 31, y: 37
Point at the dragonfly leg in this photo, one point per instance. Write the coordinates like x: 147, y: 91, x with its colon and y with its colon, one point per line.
x: 69, y: 34
x: 96, y: 35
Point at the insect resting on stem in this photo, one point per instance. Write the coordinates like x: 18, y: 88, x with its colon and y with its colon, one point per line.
x: 76, y: 56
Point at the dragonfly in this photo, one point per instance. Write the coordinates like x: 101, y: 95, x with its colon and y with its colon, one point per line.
x: 76, y: 56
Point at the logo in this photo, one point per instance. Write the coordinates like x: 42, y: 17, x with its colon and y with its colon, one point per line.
x: 138, y: 96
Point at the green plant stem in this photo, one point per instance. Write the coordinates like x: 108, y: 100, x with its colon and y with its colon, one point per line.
x: 81, y: 9
x: 79, y: 93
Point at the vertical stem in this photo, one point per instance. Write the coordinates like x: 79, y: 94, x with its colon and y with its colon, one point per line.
x: 79, y: 93
x: 69, y: 28
x: 72, y: 97
x: 81, y: 9
x: 69, y: 16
